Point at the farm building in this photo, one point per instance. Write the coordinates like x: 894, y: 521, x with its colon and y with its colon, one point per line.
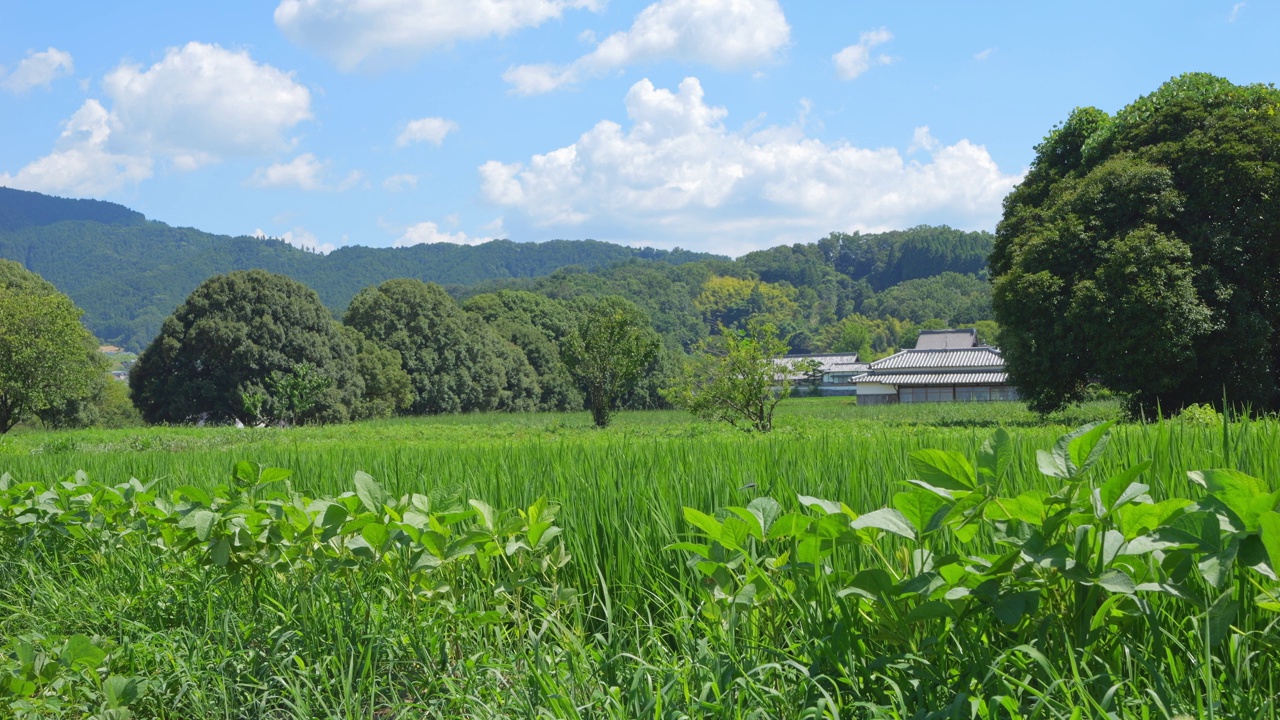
x: 944, y: 366
x: 838, y: 371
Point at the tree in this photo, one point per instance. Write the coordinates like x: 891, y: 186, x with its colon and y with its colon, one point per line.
x: 387, y: 387
x: 248, y: 335
x: 608, y: 352
x: 47, y: 358
x: 1141, y: 252
x: 737, y: 378
x: 449, y: 354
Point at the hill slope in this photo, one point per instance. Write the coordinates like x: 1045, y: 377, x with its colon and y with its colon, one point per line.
x: 129, y: 273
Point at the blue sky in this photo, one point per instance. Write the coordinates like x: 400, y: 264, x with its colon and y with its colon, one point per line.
x: 718, y: 125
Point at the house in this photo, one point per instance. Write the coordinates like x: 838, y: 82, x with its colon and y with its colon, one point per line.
x: 944, y: 366
x: 838, y: 371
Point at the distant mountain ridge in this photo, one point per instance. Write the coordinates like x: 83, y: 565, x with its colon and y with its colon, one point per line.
x: 129, y: 273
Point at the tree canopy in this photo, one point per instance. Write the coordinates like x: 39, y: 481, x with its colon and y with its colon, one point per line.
x: 1142, y: 251
x: 243, y: 336
x: 47, y: 359
x: 610, y: 349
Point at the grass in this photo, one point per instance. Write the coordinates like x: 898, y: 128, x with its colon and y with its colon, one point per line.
x: 639, y: 643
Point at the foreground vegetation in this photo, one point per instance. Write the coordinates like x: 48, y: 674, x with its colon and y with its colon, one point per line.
x: 688, y: 570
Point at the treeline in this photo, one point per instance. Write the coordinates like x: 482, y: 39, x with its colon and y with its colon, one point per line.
x: 261, y: 349
x: 128, y: 273
x: 923, y: 278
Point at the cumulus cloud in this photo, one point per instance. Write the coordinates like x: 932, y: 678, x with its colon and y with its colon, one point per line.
x: 726, y: 34
x: 427, y: 129
x: 301, y: 238
x: 363, y: 33
x: 857, y: 58
x: 197, y: 105
x: 82, y: 162
x: 38, y: 69
x: 429, y: 233
x: 678, y: 176
x: 399, y: 182
x: 304, y: 171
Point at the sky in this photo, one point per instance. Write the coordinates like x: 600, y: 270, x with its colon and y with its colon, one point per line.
x: 715, y: 125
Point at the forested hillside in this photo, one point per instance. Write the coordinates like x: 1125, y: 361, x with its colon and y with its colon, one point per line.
x: 129, y: 273
x: 846, y: 292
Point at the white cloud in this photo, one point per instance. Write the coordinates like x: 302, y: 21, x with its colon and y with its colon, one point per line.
x: 353, y: 178
x: 82, y: 163
x: 301, y: 238
x: 1235, y: 12
x: 202, y: 102
x: 430, y: 233
x: 726, y: 34
x: 38, y: 69
x: 304, y: 171
x: 857, y: 59
x: 427, y: 129
x: 678, y: 176
x: 402, y: 181
x: 197, y: 105
x: 983, y: 55
x: 356, y: 33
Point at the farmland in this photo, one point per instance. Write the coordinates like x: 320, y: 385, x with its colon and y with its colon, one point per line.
x: 239, y: 591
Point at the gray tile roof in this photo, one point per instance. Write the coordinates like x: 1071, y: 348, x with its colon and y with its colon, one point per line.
x: 831, y: 362
x: 946, y: 339
x: 979, y: 357
x: 926, y: 378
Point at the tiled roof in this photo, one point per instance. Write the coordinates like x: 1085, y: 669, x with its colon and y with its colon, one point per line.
x: 834, y: 362
x: 962, y: 378
x: 946, y: 339
x: 979, y: 357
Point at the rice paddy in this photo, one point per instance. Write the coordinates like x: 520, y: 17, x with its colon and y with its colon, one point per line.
x: 643, y: 632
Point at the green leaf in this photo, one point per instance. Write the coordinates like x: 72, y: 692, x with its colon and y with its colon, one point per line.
x: 121, y: 691
x: 995, y: 456
x: 766, y: 510
x: 873, y: 584
x: 1086, y: 444
x: 888, y: 520
x: 375, y: 534
x: 1118, y: 489
x: 921, y: 508
x: 221, y: 552
x: 371, y: 494
x: 696, y: 549
x: 944, y: 468
x: 192, y: 492
x: 80, y: 650
x: 1269, y: 530
x: 1027, y: 507
x: 827, y: 506
x: 703, y: 522
x: 1221, y: 616
x: 790, y: 525
x: 1117, y: 581
x: 488, y: 518
x: 202, y: 521
x: 1011, y: 608
x: 1052, y: 464
x: 751, y: 520
x: 1247, y: 496
x: 274, y: 475
x: 931, y: 610
x: 1142, y: 518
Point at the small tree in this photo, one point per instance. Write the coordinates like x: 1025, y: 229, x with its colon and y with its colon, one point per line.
x: 608, y: 352
x: 737, y: 378
x: 45, y: 358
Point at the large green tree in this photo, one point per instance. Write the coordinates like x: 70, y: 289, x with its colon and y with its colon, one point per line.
x: 48, y: 360
x: 241, y: 343
x: 1143, y: 250
x: 736, y: 378
x: 454, y: 360
x: 609, y: 351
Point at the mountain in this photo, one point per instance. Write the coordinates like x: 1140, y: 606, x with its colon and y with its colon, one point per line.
x: 128, y: 273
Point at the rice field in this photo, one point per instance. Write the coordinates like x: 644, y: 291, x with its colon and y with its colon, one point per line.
x: 645, y: 633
